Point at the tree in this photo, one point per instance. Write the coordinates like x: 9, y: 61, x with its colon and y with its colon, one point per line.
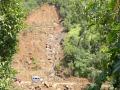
x: 11, y: 22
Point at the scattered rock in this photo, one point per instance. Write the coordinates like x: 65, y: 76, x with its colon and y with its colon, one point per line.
x: 28, y: 62
x: 66, y: 87
x: 16, y: 80
x: 37, y: 88
x: 46, y: 84
x: 42, y: 38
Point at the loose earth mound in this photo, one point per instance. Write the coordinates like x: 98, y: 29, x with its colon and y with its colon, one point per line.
x: 39, y: 50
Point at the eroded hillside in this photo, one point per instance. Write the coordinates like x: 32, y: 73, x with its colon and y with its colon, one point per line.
x: 40, y: 50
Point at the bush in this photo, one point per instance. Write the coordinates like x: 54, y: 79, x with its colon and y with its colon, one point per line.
x: 11, y: 22
x: 29, y: 5
x: 80, y: 59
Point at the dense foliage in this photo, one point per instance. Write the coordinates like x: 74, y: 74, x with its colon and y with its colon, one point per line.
x: 109, y: 25
x: 11, y: 17
x: 82, y: 45
x: 92, y: 44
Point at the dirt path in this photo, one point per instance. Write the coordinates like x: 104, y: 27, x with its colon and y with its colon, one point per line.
x: 39, y: 51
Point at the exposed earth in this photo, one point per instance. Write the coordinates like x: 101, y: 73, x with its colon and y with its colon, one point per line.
x: 39, y: 50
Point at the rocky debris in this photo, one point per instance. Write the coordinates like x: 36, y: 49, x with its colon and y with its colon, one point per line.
x: 42, y: 40
x: 47, y: 84
x: 16, y: 80
x: 38, y: 88
x: 67, y: 87
x: 52, y: 50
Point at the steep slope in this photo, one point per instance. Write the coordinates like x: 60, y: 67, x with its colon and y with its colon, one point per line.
x: 39, y: 51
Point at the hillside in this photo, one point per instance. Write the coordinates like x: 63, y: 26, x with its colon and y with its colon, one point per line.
x: 39, y: 50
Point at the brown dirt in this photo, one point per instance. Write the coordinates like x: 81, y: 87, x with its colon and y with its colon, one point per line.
x: 39, y: 51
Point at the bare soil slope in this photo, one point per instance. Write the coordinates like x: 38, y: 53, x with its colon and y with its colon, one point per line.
x: 39, y: 51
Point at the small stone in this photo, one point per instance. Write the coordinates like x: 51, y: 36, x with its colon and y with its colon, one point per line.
x: 37, y: 88
x: 47, y: 84
x: 67, y: 87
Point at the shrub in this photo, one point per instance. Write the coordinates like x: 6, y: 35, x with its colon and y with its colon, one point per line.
x: 29, y: 5
x: 11, y: 17
x: 80, y: 59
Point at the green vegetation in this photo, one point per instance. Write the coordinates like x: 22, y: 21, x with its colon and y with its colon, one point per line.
x: 11, y: 17
x: 91, y: 46
x: 30, y: 4
x: 79, y: 56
